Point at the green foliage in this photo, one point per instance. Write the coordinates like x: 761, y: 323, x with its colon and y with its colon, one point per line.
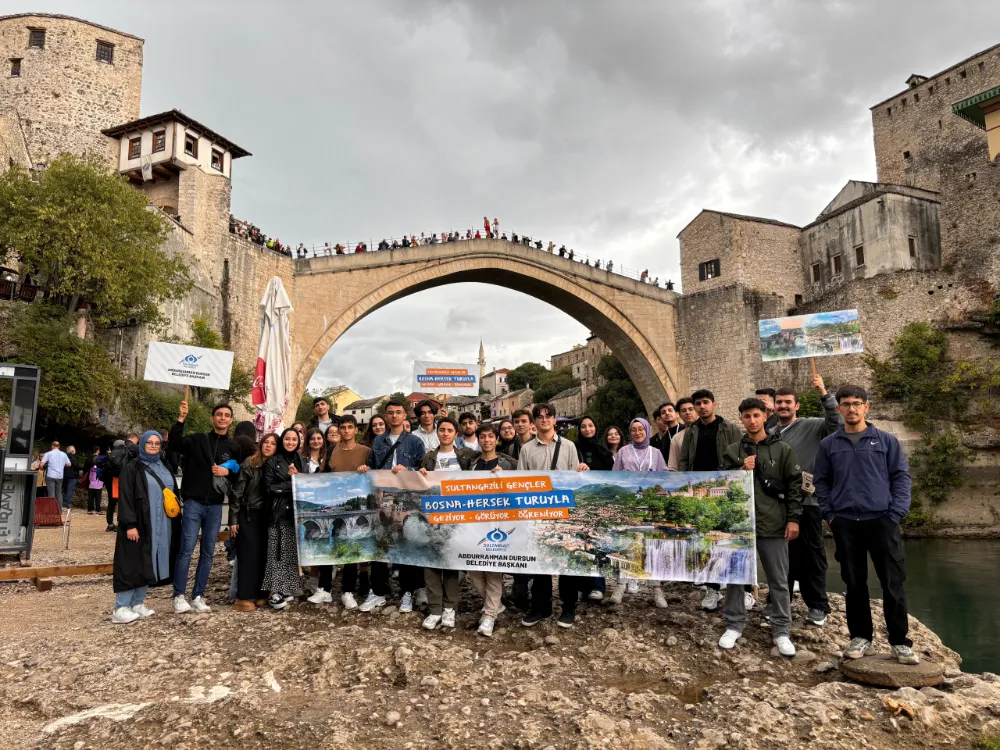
x: 919, y: 518
x: 617, y: 401
x: 810, y: 404
x: 991, y: 742
x: 530, y: 373
x: 937, y: 465
x: 553, y: 382
x: 83, y: 232
x: 142, y: 404
x: 395, y: 396
x: 305, y: 412
x: 78, y: 376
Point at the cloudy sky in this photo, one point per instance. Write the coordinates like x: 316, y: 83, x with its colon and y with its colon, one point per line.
x: 606, y: 126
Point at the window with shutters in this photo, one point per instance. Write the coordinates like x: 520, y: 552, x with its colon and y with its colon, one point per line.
x: 710, y: 269
x: 36, y: 38
x: 106, y: 52
x: 217, y: 159
x: 159, y: 141
x: 191, y: 145
x: 134, y: 148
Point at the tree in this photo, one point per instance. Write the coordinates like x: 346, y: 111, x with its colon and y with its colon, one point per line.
x: 83, y: 233
x: 530, y: 373
x: 553, y: 382
x: 617, y: 401
x: 810, y: 404
x: 395, y: 396
x: 304, y: 411
x: 78, y: 375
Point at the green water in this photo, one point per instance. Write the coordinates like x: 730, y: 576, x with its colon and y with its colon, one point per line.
x: 953, y: 588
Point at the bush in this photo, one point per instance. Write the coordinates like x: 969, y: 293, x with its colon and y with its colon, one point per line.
x: 937, y: 465
x: 142, y: 404
x: 810, y: 404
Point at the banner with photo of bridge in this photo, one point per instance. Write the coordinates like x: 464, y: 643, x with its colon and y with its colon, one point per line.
x: 817, y: 335
x: 670, y: 526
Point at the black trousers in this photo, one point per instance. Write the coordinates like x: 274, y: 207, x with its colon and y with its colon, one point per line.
x: 879, y: 539
x: 94, y: 500
x: 112, y: 504
x: 570, y: 589
x: 326, y: 578
x: 251, y: 552
x: 807, y: 560
x: 411, y: 578
x: 349, y: 580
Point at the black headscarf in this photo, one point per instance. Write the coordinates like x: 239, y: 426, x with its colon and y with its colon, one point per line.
x: 592, y: 453
x: 289, y: 456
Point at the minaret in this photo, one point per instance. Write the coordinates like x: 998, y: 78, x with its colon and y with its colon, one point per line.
x: 482, y: 362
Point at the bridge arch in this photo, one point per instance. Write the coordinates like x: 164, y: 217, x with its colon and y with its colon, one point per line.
x: 636, y: 320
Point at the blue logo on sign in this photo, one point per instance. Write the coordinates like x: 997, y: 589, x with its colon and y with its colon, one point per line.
x: 190, y: 361
x: 496, y: 536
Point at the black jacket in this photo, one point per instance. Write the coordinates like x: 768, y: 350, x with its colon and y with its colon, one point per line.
x: 201, y: 451
x: 133, y: 561
x: 595, y: 455
x: 466, y: 459
x: 278, y: 488
x: 74, y: 465
x: 248, y: 492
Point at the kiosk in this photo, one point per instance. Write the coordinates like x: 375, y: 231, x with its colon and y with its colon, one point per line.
x: 17, y: 480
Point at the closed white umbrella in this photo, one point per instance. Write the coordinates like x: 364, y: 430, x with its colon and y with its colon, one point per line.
x: 272, y: 379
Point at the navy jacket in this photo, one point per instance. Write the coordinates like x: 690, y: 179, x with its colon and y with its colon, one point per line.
x: 409, y: 452
x: 870, y: 481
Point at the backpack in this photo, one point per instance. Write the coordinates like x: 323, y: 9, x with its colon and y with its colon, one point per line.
x: 116, y: 462
x: 99, y: 465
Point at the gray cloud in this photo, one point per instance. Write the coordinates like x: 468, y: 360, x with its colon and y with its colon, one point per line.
x: 606, y: 126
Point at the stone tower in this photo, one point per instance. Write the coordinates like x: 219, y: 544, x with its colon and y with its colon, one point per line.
x: 63, y: 81
x: 482, y: 362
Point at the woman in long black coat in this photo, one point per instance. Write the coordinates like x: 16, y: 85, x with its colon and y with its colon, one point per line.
x: 147, y: 539
x: 281, y: 575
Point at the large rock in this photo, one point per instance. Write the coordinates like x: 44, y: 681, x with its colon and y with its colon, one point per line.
x: 884, y: 671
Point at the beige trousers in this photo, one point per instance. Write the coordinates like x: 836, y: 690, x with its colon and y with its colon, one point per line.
x: 490, y: 587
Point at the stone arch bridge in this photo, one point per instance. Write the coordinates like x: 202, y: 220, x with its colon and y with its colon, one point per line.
x: 331, y: 293
x: 343, y: 525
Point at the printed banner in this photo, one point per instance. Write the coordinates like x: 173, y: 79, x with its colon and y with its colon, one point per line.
x: 446, y: 378
x: 669, y: 526
x: 818, y: 335
x: 188, y: 365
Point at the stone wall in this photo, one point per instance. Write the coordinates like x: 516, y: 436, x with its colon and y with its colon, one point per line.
x: 64, y: 96
x: 919, y: 121
x: 13, y: 149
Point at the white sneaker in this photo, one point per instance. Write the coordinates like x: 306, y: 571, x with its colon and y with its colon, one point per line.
x: 596, y: 596
x: 320, y: 597
x: 486, y: 626
x: 348, y: 600
x: 795, y: 587
x: 633, y: 586
x: 748, y: 600
x: 372, y: 602
x: 711, y: 601
x: 181, y: 605
x: 431, y: 622
x: 729, y: 638
x: 123, y: 616
x: 143, y: 611
x: 617, y: 594
x: 785, y: 646
x: 406, y: 603
x: 448, y: 618
x: 659, y: 599
x: 199, y: 605
x: 420, y: 597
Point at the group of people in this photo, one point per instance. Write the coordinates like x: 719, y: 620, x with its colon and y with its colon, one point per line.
x: 837, y: 468
x: 491, y: 230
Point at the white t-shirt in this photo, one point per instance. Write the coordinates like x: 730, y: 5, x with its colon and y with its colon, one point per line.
x: 471, y: 443
x: 55, y: 461
x: 447, y: 461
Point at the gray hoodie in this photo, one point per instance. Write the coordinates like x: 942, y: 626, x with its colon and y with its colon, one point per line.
x: 804, y: 434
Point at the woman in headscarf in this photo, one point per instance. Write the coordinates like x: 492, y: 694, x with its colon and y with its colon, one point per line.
x: 638, y: 455
x: 249, y: 519
x: 597, y: 458
x: 281, y: 574
x: 142, y: 547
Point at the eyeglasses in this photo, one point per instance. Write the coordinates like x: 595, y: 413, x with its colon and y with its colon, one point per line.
x: 851, y: 405
x: 153, y: 442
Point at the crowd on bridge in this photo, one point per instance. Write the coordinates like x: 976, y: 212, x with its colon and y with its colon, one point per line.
x: 838, y: 469
x: 490, y: 230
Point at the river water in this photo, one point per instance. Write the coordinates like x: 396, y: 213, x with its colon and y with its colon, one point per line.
x: 953, y: 587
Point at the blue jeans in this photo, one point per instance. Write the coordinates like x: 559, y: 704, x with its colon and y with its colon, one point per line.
x: 70, y: 489
x: 131, y: 598
x: 208, y: 520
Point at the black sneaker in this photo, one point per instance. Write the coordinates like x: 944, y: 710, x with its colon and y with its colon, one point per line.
x: 111, y: 527
x: 566, y: 619
x: 532, y: 619
x: 277, y: 601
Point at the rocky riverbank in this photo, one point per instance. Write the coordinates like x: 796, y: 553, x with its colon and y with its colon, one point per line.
x: 631, y: 676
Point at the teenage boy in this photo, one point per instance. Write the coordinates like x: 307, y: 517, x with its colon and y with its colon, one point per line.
x: 702, y: 448
x: 204, y: 454
x: 395, y: 450
x: 688, y: 416
x: 777, y: 482
x: 349, y: 456
x: 549, y: 452
x: 863, y: 486
x: 806, y: 555
x: 667, y: 426
x: 468, y: 423
x: 443, y: 585
x: 323, y: 420
x: 489, y: 586
x: 521, y: 419
x: 766, y: 395
x: 426, y: 431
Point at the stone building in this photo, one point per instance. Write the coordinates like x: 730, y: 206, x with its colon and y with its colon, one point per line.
x: 569, y: 403
x: 920, y: 244
x: 495, y: 381
x: 583, y: 361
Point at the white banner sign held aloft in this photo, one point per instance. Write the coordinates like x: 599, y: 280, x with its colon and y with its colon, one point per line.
x: 450, y: 378
x: 188, y: 365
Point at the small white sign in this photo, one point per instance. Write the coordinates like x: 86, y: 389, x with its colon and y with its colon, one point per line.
x: 450, y: 378
x: 188, y: 365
